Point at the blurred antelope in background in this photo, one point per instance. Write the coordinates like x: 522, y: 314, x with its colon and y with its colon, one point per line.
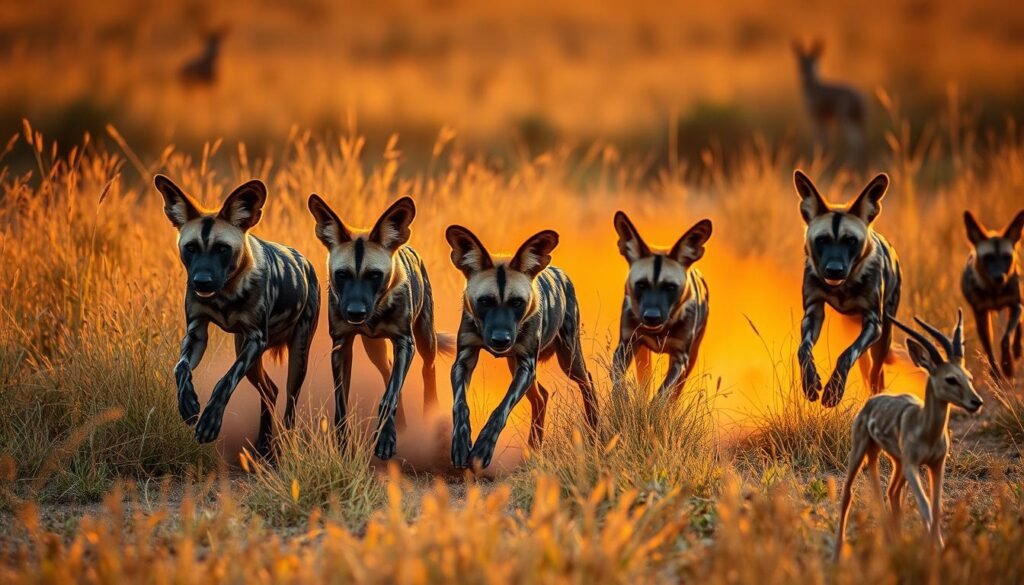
x: 991, y: 283
x: 830, y: 105
x: 912, y: 433
x: 201, y: 70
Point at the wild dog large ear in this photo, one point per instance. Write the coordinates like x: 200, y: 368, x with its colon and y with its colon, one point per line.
x: 690, y: 247
x: 868, y: 204
x: 468, y: 254
x: 178, y: 207
x: 812, y: 204
x: 631, y: 245
x: 975, y: 231
x: 535, y: 254
x: 1016, y: 227
x: 329, y: 228
x: 920, y: 355
x: 244, y: 206
x: 392, y: 229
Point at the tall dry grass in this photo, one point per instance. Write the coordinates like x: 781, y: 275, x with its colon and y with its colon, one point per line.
x: 91, y: 320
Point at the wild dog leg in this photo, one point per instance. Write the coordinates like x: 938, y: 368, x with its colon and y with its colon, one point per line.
x: 208, y: 428
x: 525, y: 375
x: 1011, y: 326
x: 570, y: 359
x: 624, y: 355
x: 642, y: 361
x: 387, y: 435
x: 193, y: 346
x: 678, y: 365
x: 341, y: 367
x: 871, y: 330
x: 1017, y: 342
x: 880, y: 351
x: 984, y: 326
x: 298, y: 358
x: 426, y: 346
x: 810, y: 330
x: 462, y: 373
x: 377, y: 351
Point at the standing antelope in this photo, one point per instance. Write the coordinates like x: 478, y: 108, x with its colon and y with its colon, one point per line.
x: 830, y: 105
x: 202, y: 69
x: 991, y: 283
x: 912, y: 433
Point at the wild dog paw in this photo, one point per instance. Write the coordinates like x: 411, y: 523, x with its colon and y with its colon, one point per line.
x: 208, y: 427
x: 810, y: 380
x: 188, y: 404
x: 834, y: 390
x: 387, y: 442
x: 461, y: 448
x: 483, y: 451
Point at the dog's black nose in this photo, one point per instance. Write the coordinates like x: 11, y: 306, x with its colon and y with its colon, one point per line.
x: 203, y: 281
x: 652, y: 316
x: 500, y: 339
x: 835, y: 271
x: 356, y: 312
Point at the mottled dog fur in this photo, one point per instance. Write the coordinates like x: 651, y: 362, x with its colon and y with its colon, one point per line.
x: 518, y: 308
x: 379, y: 290
x: 991, y: 283
x: 665, y: 309
x: 264, y: 293
x: 852, y: 268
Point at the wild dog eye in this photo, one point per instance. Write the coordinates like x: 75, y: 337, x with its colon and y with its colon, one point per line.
x: 342, y: 274
x: 952, y: 381
x: 222, y: 249
x: 641, y: 285
x: 821, y: 240
x: 486, y: 302
x: 669, y: 287
x: 191, y: 247
x: 850, y: 241
x: 374, y: 274
x: 517, y: 303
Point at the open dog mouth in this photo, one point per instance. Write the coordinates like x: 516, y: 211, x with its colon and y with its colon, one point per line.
x: 205, y: 294
x: 835, y: 281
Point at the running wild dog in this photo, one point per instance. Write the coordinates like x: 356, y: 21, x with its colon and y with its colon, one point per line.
x: 855, y: 270
x: 378, y: 290
x: 665, y: 309
x: 991, y: 283
x: 264, y: 293
x: 518, y: 308
x: 912, y: 433
x: 830, y: 105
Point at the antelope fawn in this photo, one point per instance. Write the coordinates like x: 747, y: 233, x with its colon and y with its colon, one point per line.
x: 912, y: 433
x: 202, y: 69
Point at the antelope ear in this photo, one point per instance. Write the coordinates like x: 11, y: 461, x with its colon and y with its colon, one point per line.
x: 690, y: 247
x: 468, y: 254
x: 329, y: 228
x: 919, y: 355
x: 631, y: 245
x: 178, y: 207
x: 812, y: 204
x: 1016, y: 227
x: 817, y: 48
x: 535, y: 254
x: 244, y: 206
x: 392, y: 229
x: 797, y: 46
x: 868, y: 204
x: 975, y: 231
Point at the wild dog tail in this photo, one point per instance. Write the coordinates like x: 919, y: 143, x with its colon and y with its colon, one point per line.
x: 446, y: 343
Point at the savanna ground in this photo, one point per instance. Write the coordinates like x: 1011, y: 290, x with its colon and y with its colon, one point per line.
x: 507, y: 121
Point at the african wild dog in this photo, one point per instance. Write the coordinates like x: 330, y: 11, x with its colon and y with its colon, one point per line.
x: 521, y: 309
x: 855, y: 270
x: 264, y: 293
x: 666, y: 304
x: 378, y: 290
x: 991, y: 283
